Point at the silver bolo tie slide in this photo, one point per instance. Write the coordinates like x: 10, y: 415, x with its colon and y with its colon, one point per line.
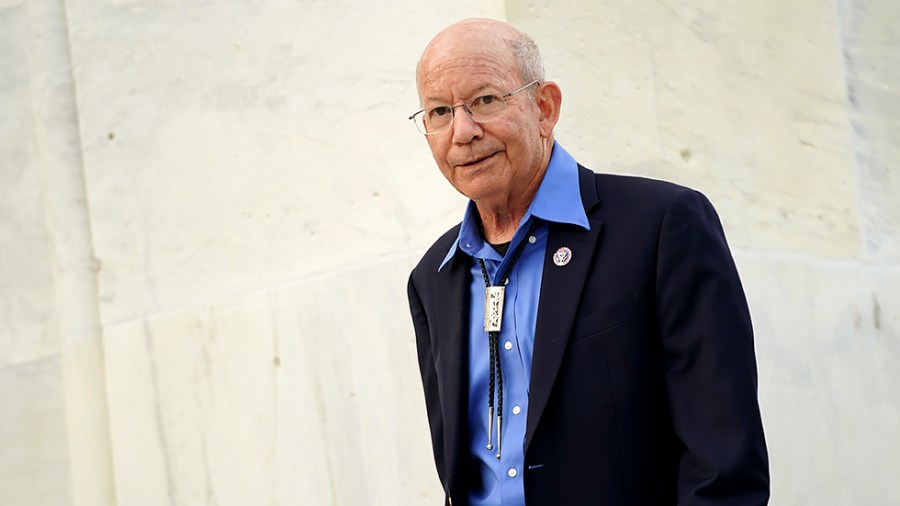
x: 493, y: 308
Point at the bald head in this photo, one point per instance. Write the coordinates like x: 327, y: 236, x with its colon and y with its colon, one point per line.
x: 498, y: 159
x: 480, y: 37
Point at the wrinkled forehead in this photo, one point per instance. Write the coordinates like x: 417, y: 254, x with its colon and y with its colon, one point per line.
x: 465, y: 62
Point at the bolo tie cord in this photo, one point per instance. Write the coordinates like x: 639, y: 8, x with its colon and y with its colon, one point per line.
x: 496, y: 373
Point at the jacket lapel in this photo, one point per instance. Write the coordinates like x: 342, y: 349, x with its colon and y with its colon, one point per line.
x: 561, y: 289
x: 450, y: 330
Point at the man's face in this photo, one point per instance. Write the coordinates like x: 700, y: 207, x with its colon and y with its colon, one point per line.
x: 488, y: 162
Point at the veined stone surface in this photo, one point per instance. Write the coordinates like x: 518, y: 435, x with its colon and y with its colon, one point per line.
x: 827, y: 336
x: 27, y: 312
x: 208, y: 214
x: 34, y: 466
x: 305, y: 393
x: 266, y: 140
x: 872, y: 63
x: 745, y: 103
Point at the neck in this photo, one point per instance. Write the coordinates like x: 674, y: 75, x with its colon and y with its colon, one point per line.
x: 501, y: 218
x: 500, y: 226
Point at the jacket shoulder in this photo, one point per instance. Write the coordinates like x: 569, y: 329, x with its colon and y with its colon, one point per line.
x: 609, y: 185
x: 634, y: 194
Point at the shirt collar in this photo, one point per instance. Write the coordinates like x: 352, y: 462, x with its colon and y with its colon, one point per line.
x: 557, y: 200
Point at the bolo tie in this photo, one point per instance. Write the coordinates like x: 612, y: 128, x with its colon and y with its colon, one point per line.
x: 493, y: 320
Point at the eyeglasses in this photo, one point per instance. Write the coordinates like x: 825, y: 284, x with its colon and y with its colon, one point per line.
x: 438, y: 119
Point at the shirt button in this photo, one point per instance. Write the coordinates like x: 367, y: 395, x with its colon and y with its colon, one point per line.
x: 532, y: 239
x: 516, y: 410
x: 508, y: 345
x: 512, y: 473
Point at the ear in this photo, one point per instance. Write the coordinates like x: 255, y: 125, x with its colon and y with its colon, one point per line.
x: 549, y: 100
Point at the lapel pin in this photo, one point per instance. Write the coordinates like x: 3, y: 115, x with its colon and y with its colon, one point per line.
x: 562, y: 256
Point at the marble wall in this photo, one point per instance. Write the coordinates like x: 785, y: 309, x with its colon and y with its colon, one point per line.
x: 208, y: 212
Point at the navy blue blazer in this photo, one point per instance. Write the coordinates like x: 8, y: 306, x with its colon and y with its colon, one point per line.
x: 643, y: 385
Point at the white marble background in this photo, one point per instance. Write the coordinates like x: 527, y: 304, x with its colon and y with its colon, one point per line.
x: 208, y: 211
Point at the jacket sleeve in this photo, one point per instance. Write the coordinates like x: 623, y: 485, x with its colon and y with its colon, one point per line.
x: 429, y: 377
x: 708, y: 360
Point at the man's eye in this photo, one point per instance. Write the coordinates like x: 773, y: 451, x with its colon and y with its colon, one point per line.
x: 485, y: 100
x: 440, y: 111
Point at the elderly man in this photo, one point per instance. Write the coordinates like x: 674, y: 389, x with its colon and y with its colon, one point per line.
x: 582, y: 338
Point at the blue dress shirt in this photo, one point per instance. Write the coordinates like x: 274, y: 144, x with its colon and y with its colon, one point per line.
x: 558, y: 200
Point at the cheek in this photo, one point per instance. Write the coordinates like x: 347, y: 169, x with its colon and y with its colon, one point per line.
x: 438, y: 148
x: 525, y: 140
x: 439, y: 153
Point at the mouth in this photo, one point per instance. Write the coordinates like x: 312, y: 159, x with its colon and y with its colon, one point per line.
x: 476, y: 161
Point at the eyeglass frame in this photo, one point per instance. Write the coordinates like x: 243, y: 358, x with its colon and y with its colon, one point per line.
x: 465, y: 107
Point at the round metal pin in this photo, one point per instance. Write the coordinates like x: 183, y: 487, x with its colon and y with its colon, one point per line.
x: 562, y: 256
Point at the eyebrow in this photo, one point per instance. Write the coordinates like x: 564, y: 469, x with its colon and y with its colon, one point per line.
x: 474, y: 94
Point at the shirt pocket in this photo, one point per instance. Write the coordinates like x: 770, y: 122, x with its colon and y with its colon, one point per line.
x: 606, y: 319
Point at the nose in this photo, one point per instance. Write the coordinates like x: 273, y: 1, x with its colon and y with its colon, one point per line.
x: 465, y: 129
